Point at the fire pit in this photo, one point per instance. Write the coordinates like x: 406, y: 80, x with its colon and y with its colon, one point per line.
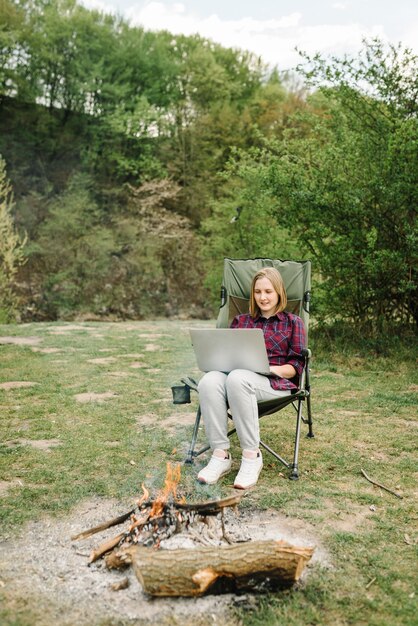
x: 188, y: 549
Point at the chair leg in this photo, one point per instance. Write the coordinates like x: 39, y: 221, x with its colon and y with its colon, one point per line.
x: 310, y: 431
x: 295, y: 470
x: 308, y: 403
x: 272, y: 452
x: 191, y: 453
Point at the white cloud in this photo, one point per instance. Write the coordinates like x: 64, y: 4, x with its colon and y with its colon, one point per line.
x: 410, y: 36
x: 99, y: 5
x: 340, y: 6
x: 274, y: 40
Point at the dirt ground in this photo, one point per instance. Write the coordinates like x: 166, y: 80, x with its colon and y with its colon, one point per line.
x: 45, y: 573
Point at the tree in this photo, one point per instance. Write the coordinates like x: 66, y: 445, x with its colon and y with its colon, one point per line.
x: 11, y: 251
x: 345, y: 181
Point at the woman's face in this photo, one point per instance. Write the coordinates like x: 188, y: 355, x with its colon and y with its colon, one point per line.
x: 265, y: 296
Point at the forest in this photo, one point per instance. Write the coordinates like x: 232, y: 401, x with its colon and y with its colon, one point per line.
x: 133, y: 162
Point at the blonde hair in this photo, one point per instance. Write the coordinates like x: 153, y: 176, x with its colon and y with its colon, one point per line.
x: 278, y: 285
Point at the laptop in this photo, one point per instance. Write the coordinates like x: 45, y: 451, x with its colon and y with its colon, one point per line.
x: 227, y: 349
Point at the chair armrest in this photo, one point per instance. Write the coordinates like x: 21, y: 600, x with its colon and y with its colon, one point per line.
x: 190, y: 382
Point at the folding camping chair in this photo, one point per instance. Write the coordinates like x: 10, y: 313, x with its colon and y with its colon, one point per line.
x: 235, y: 294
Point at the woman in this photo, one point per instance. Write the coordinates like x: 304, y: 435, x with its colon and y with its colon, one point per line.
x: 240, y: 390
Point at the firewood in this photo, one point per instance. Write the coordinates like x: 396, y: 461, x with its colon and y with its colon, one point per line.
x: 105, y: 547
x: 256, y: 564
x: 213, y: 507
x: 96, y: 529
x: 139, y: 522
x: 121, y: 584
x: 118, y: 559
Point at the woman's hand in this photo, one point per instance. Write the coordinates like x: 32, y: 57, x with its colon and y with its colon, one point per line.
x: 284, y: 371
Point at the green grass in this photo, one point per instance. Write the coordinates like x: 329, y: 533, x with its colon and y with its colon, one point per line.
x: 364, y: 409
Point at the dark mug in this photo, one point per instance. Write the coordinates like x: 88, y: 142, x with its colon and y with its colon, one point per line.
x: 181, y: 394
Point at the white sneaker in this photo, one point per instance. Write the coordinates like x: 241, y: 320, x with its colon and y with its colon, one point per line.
x: 249, y: 472
x: 214, y: 470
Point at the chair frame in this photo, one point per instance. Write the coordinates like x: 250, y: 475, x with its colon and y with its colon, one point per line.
x: 296, y: 399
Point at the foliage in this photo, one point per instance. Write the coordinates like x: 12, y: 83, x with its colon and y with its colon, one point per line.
x: 12, y: 253
x: 93, y: 108
x: 242, y: 225
x: 86, y: 97
x: 72, y: 252
x: 344, y: 180
x: 131, y: 265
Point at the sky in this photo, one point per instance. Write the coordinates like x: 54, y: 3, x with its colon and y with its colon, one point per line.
x: 273, y: 29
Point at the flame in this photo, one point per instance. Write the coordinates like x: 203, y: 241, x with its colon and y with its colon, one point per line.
x: 172, y: 479
x: 144, y: 497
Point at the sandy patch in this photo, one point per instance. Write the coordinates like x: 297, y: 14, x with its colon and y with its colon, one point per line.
x: 152, y: 335
x: 5, y: 485
x: 38, y: 444
x: 46, y: 350
x: 95, y: 397
x: 409, y: 423
x: 132, y: 326
x: 102, y: 360
x: 351, y: 413
x: 62, y: 590
x: 68, y: 327
x: 351, y: 521
x: 137, y: 365
x: 354, y: 394
x: 153, y: 347
x: 150, y: 419
x: 17, y: 384
x: 21, y: 341
x: 168, y: 423
x: 20, y: 424
x: 378, y: 455
x: 119, y: 374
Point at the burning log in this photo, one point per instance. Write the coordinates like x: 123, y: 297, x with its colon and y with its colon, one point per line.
x: 253, y: 565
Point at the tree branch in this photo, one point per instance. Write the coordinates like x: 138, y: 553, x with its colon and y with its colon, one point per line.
x: 394, y: 493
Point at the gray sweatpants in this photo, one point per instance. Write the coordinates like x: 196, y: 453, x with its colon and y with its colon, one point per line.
x: 240, y: 391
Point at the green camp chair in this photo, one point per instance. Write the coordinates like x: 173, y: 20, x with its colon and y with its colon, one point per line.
x: 235, y: 294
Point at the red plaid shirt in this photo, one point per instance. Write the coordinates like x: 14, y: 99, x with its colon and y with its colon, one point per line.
x: 284, y: 334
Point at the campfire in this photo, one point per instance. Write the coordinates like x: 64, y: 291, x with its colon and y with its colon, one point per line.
x: 216, y: 559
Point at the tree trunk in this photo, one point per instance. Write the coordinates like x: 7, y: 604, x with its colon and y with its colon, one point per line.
x: 252, y: 565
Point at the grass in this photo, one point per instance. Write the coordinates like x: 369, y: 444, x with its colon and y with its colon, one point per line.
x: 364, y: 408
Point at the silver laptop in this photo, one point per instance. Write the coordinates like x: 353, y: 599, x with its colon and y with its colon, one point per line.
x: 227, y: 349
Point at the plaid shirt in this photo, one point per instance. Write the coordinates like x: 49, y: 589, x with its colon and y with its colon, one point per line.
x: 284, y: 334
